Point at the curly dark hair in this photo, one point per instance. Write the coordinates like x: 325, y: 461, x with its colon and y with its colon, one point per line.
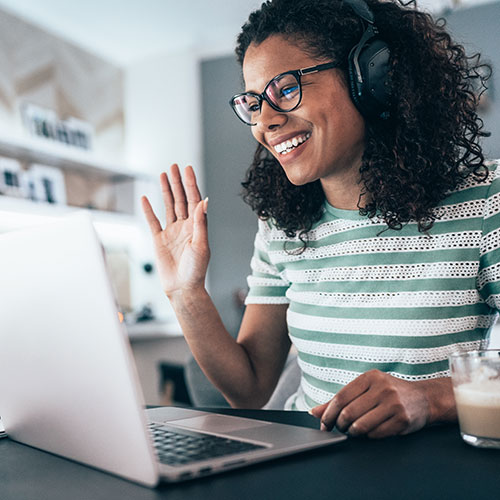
x: 427, y: 147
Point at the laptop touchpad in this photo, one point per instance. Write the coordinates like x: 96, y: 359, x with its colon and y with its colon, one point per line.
x: 219, y: 423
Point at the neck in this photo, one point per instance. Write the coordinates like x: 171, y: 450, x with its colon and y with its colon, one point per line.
x: 343, y: 191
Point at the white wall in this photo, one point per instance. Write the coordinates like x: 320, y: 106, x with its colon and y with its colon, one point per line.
x: 163, y: 109
x: 162, y: 126
x: 162, y: 112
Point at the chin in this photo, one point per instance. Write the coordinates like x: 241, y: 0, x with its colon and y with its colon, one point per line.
x: 297, y: 180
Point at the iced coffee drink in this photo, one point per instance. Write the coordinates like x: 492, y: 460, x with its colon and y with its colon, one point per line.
x: 476, y: 384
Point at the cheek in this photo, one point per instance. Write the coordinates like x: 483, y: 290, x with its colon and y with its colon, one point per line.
x: 256, y: 135
x: 343, y: 122
x: 260, y: 139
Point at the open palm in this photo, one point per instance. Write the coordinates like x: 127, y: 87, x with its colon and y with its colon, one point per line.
x: 181, y: 247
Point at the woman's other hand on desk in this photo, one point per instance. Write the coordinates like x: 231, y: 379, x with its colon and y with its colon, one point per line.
x: 379, y: 405
x: 181, y: 247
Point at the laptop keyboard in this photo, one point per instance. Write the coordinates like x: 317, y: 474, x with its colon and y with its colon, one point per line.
x: 181, y: 447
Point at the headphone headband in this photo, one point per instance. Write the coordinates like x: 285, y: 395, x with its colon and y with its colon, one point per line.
x: 361, y: 9
x: 369, y: 67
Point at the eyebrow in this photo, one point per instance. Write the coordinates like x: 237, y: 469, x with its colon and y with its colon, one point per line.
x: 308, y: 70
x: 267, y: 83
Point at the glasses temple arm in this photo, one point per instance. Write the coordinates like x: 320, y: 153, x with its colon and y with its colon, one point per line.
x: 319, y: 67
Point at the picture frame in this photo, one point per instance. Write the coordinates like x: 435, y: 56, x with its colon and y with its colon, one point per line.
x: 44, y: 123
x: 11, y: 178
x: 46, y: 184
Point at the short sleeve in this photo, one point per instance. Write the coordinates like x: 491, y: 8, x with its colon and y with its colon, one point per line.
x: 489, y: 262
x: 266, y: 283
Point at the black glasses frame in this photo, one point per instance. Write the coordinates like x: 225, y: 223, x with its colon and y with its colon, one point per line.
x: 297, y: 73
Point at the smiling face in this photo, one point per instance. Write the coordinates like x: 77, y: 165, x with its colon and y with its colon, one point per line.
x: 323, y: 138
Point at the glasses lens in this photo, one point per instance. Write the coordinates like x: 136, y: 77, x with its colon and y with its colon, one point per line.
x: 284, y: 92
x: 247, y: 107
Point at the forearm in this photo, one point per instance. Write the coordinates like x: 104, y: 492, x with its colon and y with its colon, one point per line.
x: 441, y: 401
x: 225, y: 362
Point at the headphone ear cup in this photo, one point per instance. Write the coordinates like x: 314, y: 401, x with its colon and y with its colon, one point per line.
x: 370, y: 86
x: 355, y: 86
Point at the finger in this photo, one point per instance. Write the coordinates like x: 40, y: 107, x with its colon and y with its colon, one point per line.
x: 180, y: 204
x: 192, y: 191
x: 317, y: 411
x: 168, y: 199
x: 152, y: 220
x: 390, y: 427
x: 344, y: 397
x: 370, y: 421
x: 200, y: 230
x: 329, y: 416
x: 356, y: 409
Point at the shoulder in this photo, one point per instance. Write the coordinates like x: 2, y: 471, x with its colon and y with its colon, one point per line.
x: 477, y: 188
x: 268, y: 228
x: 494, y: 173
x: 475, y: 198
x: 269, y: 233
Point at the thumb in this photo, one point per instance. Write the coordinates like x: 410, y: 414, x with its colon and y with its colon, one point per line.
x: 317, y: 411
x: 200, y: 230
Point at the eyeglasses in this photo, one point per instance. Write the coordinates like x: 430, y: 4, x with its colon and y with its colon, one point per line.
x: 283, y: 93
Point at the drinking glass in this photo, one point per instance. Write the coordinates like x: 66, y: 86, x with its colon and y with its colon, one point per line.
x: 476, y: 384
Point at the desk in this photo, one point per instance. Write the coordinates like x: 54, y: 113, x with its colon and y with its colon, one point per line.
x: 431, y: 464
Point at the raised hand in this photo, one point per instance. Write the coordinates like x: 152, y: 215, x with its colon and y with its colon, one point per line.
x: 181, y: 247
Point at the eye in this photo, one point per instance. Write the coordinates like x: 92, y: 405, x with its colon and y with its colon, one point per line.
x: 289, y: 92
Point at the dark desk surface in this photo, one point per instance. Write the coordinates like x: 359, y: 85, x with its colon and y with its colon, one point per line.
x: 431, y: 464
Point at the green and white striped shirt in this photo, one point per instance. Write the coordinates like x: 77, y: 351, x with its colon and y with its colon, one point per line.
x: 399, y: 301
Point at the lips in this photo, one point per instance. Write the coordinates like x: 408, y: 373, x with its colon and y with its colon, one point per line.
x: 285, y: 147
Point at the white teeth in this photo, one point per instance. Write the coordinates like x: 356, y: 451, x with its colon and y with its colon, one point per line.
x: 287, y: 146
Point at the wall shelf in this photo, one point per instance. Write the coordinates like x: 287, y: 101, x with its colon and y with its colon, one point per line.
x: 52, y: 153
x: 90, y: 181
x: 21, y: 206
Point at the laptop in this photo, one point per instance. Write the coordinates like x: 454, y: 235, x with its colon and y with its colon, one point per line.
x: 68, y: 383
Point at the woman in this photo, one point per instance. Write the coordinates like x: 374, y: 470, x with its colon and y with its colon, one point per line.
x: 377, y: 247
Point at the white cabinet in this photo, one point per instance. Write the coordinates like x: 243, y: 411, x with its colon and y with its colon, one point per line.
x: 111, y: 193
x: 106, y: 188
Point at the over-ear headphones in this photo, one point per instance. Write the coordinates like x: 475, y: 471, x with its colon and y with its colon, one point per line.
x: 368, y: 66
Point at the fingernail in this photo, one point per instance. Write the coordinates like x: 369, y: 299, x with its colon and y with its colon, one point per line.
x: 205, y: 205
x: 311, y: 412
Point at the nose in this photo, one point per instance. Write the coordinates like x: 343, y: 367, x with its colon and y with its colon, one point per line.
x: 269, y: 118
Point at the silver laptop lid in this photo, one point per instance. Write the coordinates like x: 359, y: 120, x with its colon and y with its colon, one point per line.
x: 50, y: 300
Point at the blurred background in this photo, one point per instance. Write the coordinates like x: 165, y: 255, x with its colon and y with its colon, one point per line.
x: 98, y: 97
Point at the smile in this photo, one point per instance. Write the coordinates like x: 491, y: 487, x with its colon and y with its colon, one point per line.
x: 286, y: 146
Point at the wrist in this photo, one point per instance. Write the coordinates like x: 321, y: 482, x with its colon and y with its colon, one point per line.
x: 187, y: 298
x: 440, y: 400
